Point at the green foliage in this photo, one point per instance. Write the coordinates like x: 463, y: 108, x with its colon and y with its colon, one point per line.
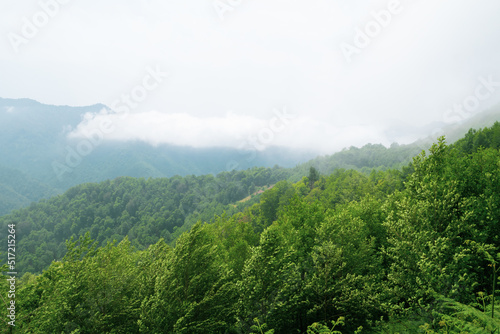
x: 91, y: 291
x: 260, y: 328
x: 488, y: 137
x: 365, y: 159
x: 274, y: 200
x: 313, y: 176
x: 455, y: 317
x: 416, y: 251
x: 143, y: 210
x: 195, y: 292
x: 318, y: 328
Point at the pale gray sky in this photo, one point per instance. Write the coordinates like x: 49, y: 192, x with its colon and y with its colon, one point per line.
x: 227, y: 77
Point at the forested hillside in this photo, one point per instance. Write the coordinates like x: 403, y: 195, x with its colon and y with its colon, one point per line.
x: 411, y: 251
x: 144, y: 210
x: 365, y: 159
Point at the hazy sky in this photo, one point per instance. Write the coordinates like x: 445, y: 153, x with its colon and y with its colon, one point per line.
x: 342, y: 72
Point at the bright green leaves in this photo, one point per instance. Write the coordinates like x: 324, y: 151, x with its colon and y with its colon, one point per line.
x: 274, y: 278
x: 310, y: 265
x: 346, y: 270
x: 453, y: 317
x: 425, y: 225
x: 449, y: 200
x: 345, y: 186
x: 194, y: 293
x: 318, y: 328
x: 274, y: 200
x: 92, y: 291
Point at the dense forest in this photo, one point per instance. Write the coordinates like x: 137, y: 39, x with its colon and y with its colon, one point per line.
x: 409, y: 250
x: 147, y: 209
x: 144, y: 210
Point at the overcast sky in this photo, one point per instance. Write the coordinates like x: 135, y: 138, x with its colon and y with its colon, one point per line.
x: 322, y: 74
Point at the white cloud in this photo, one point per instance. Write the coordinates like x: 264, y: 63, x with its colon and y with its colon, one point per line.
x: 281, y: 128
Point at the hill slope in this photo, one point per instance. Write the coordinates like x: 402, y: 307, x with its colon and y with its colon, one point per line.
x: 18, y: 189
x: 347, y: 251
x: 144, y: 210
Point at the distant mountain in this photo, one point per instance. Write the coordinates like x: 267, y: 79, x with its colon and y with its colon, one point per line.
x: 33, y: 135
x: 18, y: 189
x: 34, y: 142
